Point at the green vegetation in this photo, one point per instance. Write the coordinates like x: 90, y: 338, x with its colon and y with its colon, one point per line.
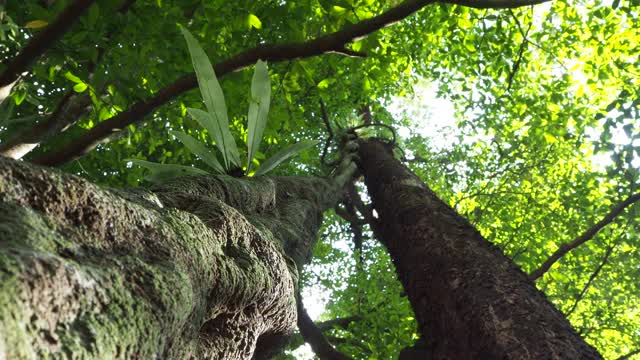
x: 543, y: 143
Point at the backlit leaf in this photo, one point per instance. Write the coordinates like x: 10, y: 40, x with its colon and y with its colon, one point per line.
x: 258, y: 109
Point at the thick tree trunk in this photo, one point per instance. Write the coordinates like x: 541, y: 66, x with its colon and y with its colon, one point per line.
x: 202, y: 267
x: 471, y: 301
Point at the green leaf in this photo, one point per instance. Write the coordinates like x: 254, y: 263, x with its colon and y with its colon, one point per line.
x: 164, y: 172
x: 72, y: 77
x: 199, y: 149
x: 258, y: 109
x: 208, y: 121
x: 254, y: 22
x: 283, y: 155
x: 19, y: 95
x: 80, y: 87
x: 213, y: 100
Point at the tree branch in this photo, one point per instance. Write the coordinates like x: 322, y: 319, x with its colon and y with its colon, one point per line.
x: 39, y: 44
x: 337, y: 322
x: 495, y: 4
x: 69, y: 110
x: 330, y: 43
x: 327, y: 143
x: 629, y: 355
x: 590, y: 281
x: 314, y: 337
x: 66, y: 112
x: 586, y: 236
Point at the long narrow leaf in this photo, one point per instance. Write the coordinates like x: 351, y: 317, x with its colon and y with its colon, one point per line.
x: 164, y: 172
x: 207, y: 121
x: 258, y: 109
x: 199, y: 149
x: 283, y: 155
x: 213, y: 100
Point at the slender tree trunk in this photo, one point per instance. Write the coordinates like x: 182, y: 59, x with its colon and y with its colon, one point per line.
x: 471, y: 301
x: 200, y: 267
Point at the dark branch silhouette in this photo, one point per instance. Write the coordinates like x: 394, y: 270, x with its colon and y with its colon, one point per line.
x: 331, y: 43
x: 39, y: 44
x: 629, y: 355
x: 314, y: 337
x: 586, y: 236
x: 495, y: 4
x: 593, y: 276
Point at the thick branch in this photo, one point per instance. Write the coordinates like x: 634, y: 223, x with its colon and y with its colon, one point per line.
x: 314, y: 337
x: 332, y: 43
x: 586, y: 236
x: 39, y: 44
x: 66, y: 113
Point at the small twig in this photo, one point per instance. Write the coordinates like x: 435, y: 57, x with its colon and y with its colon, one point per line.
x: 523, y: 46
x: 338, y: 322
x: 590, y: 281
x: 586, y: 236
x: 327, y: 124
x: 390, y: 128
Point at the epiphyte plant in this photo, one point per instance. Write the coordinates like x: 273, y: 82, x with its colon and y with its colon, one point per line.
x: 216, y: 122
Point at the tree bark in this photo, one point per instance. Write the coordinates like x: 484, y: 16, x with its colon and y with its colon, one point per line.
x: 470, y: 301
x: 200, y: 267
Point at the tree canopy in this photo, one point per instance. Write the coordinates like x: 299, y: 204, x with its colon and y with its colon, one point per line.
x: 542, y: 154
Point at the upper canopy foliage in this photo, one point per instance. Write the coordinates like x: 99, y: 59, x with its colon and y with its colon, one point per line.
x: 546, y: 139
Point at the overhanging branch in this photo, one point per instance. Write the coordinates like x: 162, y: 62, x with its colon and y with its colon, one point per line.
x: 586, y: 236
x: 495, y: 4
x: 331, y: 43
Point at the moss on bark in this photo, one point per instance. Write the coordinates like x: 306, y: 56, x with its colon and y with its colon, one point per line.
x: 198, y: 267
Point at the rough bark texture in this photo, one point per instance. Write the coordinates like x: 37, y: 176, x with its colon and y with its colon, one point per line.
x: 471, y: 301
x: 202, y: 267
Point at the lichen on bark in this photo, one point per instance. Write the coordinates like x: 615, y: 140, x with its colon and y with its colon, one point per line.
x: 197, y: 267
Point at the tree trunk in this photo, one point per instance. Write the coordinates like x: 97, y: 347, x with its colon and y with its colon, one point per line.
x: 471, y: 301
x: 201, y: 267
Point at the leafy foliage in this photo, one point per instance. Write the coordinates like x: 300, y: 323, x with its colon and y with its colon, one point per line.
x: 542, y: 140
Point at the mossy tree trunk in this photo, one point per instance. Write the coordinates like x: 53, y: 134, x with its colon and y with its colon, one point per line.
x: 471, y: 301
x: 202, y: 267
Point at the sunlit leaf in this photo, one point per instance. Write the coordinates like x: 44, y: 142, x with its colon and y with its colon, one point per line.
x: 80, y: 87
x: 254, y: 22
x: 163, y: 172
x: 214, y: 101
x: 258, y: 109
